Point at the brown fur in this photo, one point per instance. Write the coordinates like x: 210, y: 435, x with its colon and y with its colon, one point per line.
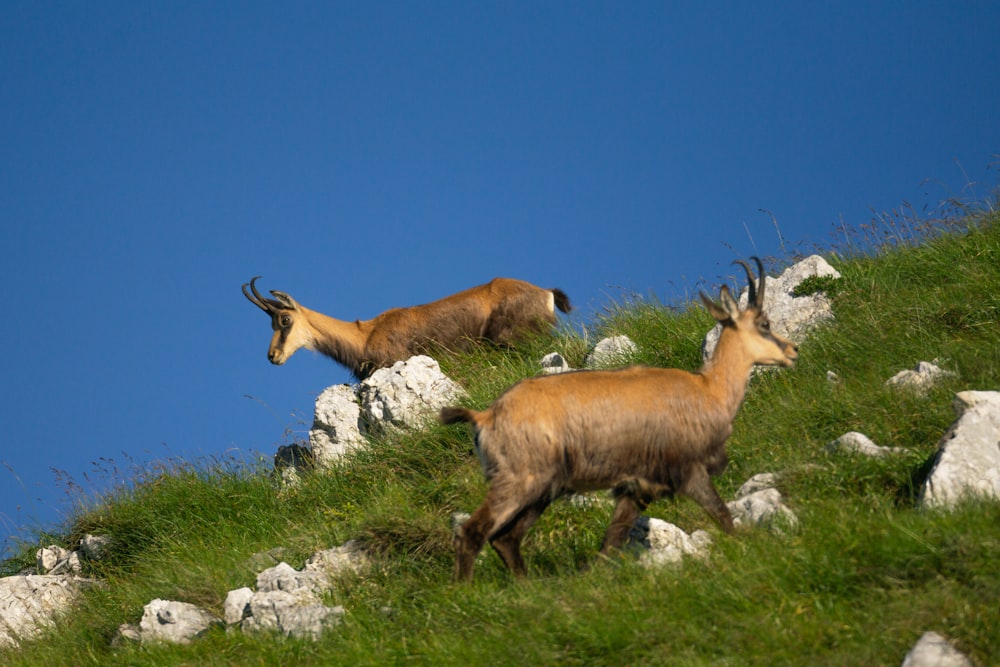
x: 503, y: 311
x: 643, y: 432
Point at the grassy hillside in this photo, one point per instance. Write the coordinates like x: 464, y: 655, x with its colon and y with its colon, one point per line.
x: 863, y: 578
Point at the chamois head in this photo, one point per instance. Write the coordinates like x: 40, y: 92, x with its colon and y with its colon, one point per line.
x: 291, y: 331
x: 752, y: 325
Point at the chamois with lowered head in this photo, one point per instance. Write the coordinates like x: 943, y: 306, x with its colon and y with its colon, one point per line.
x: 645, y: 433
x: 503, y: 311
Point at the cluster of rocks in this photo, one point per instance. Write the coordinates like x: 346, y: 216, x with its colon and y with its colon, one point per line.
x: 967, y: 463
x: 657, y: 542
x: 758, y: 504
x: 29, y: 601
x: 285, y: 600
x: 607, y: 353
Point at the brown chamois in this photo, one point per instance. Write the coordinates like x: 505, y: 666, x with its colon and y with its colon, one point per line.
x: 502, y: 311
x: 645, y: 433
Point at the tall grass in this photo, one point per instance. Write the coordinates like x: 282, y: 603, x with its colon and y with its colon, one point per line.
x: 864, y: 576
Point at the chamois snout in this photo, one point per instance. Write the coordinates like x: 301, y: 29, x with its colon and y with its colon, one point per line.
x: 791, y: 354
x: 276, y: 352
x: 789, y: 351
x: 777, y: 351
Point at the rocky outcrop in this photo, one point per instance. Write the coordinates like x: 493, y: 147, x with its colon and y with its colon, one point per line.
x: 337, y: 424
x: 170, y: 621
x: 662, y: 543
x: 408, y: 394
x: 763, y: 509
x: 29, y: 603
x: 968, y: 460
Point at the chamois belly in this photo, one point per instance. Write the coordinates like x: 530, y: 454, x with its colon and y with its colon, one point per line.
x: 648, y: 448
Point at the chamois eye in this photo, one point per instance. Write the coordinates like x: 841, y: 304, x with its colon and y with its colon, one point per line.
x: 765, y: 325
x: 286, y: 321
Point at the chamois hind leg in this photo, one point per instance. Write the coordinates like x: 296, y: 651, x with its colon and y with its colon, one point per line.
x: 507, y: 542
x: 469, y: 539
x: 698, y: 486
x: 486, y: 522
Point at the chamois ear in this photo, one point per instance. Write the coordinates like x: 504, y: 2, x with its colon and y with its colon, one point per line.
x: 729, y: 310
x: 717, y: 311
x: 285, y: 300
x: 729, y: 303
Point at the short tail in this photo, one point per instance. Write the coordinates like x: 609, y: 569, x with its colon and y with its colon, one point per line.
x: 562, y: 301
x: 454, y: 415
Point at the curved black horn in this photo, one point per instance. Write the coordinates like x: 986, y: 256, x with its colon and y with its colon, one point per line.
x: 755, y: 293
x: 760, y: 283
x: 257, y: 299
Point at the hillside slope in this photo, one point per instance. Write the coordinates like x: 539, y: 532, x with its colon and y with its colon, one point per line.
x: 865, y: 575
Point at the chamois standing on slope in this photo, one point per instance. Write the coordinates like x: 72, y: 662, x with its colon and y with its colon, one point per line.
x: 645, y: 433
x: 503, y: 311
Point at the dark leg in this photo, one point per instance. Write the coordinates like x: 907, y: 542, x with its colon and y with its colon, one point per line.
x: 499, y: 514
x: 698, y: 485
x: 469, y: 540
x: 508, y: 542
x: 627, y: 511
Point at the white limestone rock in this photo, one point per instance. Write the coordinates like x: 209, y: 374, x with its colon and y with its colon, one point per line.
x: 174, y: 622
x: 611, y: 352
x: 29, y: 603
x: 408, y: 394
x: 859, y: 443
x: 933, y: 650
x: 337, y: 425
x: 968, y: 458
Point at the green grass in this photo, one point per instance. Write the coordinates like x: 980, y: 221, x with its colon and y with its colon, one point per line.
x: 866, y: 573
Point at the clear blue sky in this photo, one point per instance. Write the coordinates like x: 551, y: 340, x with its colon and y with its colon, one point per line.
x: 361, y: 156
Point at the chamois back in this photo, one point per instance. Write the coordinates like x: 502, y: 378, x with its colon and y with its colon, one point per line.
x: 504, y: 311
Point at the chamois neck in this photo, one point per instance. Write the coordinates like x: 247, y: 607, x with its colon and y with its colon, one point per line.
x: 342, y: 341
x: 728, y: 369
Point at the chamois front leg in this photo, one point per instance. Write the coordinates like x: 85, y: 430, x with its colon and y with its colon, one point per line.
x: 698, y: 486
x: 633, y: 497
x: 627, y: 510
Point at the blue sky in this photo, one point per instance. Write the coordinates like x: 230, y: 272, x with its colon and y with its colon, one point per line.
x: 361, y: 156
